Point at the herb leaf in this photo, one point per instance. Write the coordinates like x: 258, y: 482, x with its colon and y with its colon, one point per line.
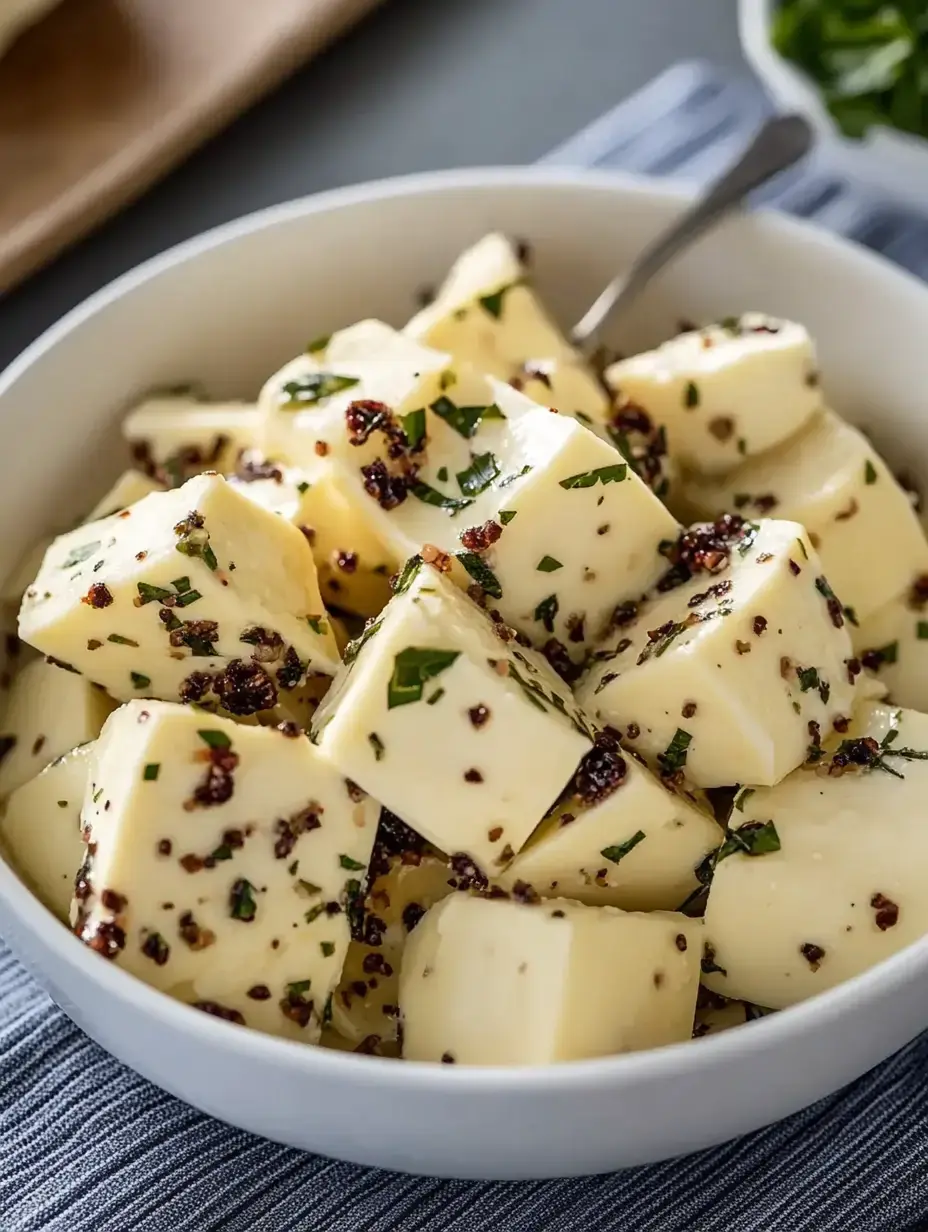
x: 313, y: 388
x: 754, y: 838
x: 431, y: 496
x: 481, y: 572
x: 548, y: 564
x: 493, y: 303
x: 353, y: 866
x: 506, y: 516
x: 407, y: 575
x: 620, y: 850
x: 414, y: 427
x: 78, y: 555
x: 602, y: 474
x: 546, y: 611
x: 673, y: 757
x: 215, y: 739
x: 242, y: 902
x: 465, y: 420
x: 483, y: 469
x: 412, y: 667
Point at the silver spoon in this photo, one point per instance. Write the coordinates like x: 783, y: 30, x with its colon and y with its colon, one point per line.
x: 778, y: 144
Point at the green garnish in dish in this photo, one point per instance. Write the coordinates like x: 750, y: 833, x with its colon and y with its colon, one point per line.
x: 868, y: 58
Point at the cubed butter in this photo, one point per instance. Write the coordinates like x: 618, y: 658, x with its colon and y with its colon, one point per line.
x: 463, y: 734
x: 41, y: 829
x: 618, y: 836
x: 832, y: 480
x: 824, y: 874
x: 501, y: 982
x: 197, y: 594
x: 224, y: 864
x: 48, y: 712
x: 726, y: 392
x: 175, y: 436
x: 727, y: 676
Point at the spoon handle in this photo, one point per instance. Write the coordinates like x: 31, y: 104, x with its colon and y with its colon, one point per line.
x: 778, y: 144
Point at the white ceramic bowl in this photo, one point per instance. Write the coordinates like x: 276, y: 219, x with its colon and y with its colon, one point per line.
x: 229, y: 307
x: 893, y: 161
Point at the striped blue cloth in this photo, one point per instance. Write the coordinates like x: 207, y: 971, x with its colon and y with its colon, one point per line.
x: 87, y: 1146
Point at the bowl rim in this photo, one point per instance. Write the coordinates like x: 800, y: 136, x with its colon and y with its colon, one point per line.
x: 678, y: 1060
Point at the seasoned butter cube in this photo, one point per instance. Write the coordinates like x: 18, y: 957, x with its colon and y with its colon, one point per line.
x: 618, y: 836
x: 222, y: 864
x: 824, y: 874
x: 831, y: 480
x: 464, y: 735
x: 366, y: 1002
x: 725, y: 392
x: 497, y: 982
x: 41, y: 829
x: 195, y: 594
x: 174, y: 437
x: 352, y: 565
x: 728, y: 676
x: 370, y: 339
x: 48, y: 712
x: 893, y: 644
x: 129, y: 488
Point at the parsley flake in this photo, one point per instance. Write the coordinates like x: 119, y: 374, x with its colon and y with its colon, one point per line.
x: 548, y: 564
x: 465, y: 420
x: 620, y: 850
x: 870, y: 475
x: 483, y: 469
x: 353, y: 866
x: 546, y: 611
x: 78, y: 555
x: 431, y: 496
x: 482, y: 574
x: 151, y: 771
x: 313, y: 388
x: 412, y: 667
x: 215, y: 739
x: 602, y: 474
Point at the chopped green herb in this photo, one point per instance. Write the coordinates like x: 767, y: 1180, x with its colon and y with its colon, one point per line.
x: 328, y: 948
x: 548, y: 564
x: 808, y: 678
x: 481, y: 572
x: 447, y: 379
x: 414, y: 427
x: 754, y: 838
x: 506, y: 516
x: 317, y: 624
x: 215, y: 739
x: 436, y: 697
x: 742, y: 798
x: 493, y: 303
x: 442, y: 474
x: 412, y: 667
x: 620, y: 850
x: 870, y: 475
x: 97, y: 794
x: 691, y: 395
x: 77, y: 556
x: 465, y: 420
x: 313, y: 388
x: 242, y: 902
x: 546, y: 611
x: 921, y: 630
x: 152, y: 594
x: 483, y: 469
x: 314, y: 913
x: 888, y: 653
x: 407, y: 575
x: 802, y: 549
x: 299, y: 988
x: 189, y: 596
x: 431, y: 496
x: 307, y: 889
x: 602, y: 474
x: 119, y: 640
x: 302, y: 487
x: 377, y: 745
x: 504, y: 483
x: 673, y: 757
x: 353, y: 866
x: 850, y: 615
x: 151, y: 771
x: 354, y: 647
x: 583, y: 417
x: 139, y: 681
x: 318, y: 344
x: 181, y: 585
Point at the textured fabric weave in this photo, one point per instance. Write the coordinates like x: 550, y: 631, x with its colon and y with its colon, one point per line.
x: 87, y: 1146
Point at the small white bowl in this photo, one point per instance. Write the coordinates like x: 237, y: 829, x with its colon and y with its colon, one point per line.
x: 886, y: 158
x: 227, y: 308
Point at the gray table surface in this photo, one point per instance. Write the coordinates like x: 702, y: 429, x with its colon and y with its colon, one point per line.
x: 420, y: 84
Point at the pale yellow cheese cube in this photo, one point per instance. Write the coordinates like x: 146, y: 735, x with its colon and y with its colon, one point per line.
x: 724, y: 674
x: 618, y: 836
x: 41, y: 829
x: 893, y: 644
x: 224, y: 864
x: 726, y: 392
x: 464, y: 735
x: 352, y: 565
x: 175, y: 436
x: 832, y: 480
x: 366, y: 1001
x: 836, y: 880
x: 195, y: 593
x: 501, y: 982
x: 130, y: 487
x: 48, y: 712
